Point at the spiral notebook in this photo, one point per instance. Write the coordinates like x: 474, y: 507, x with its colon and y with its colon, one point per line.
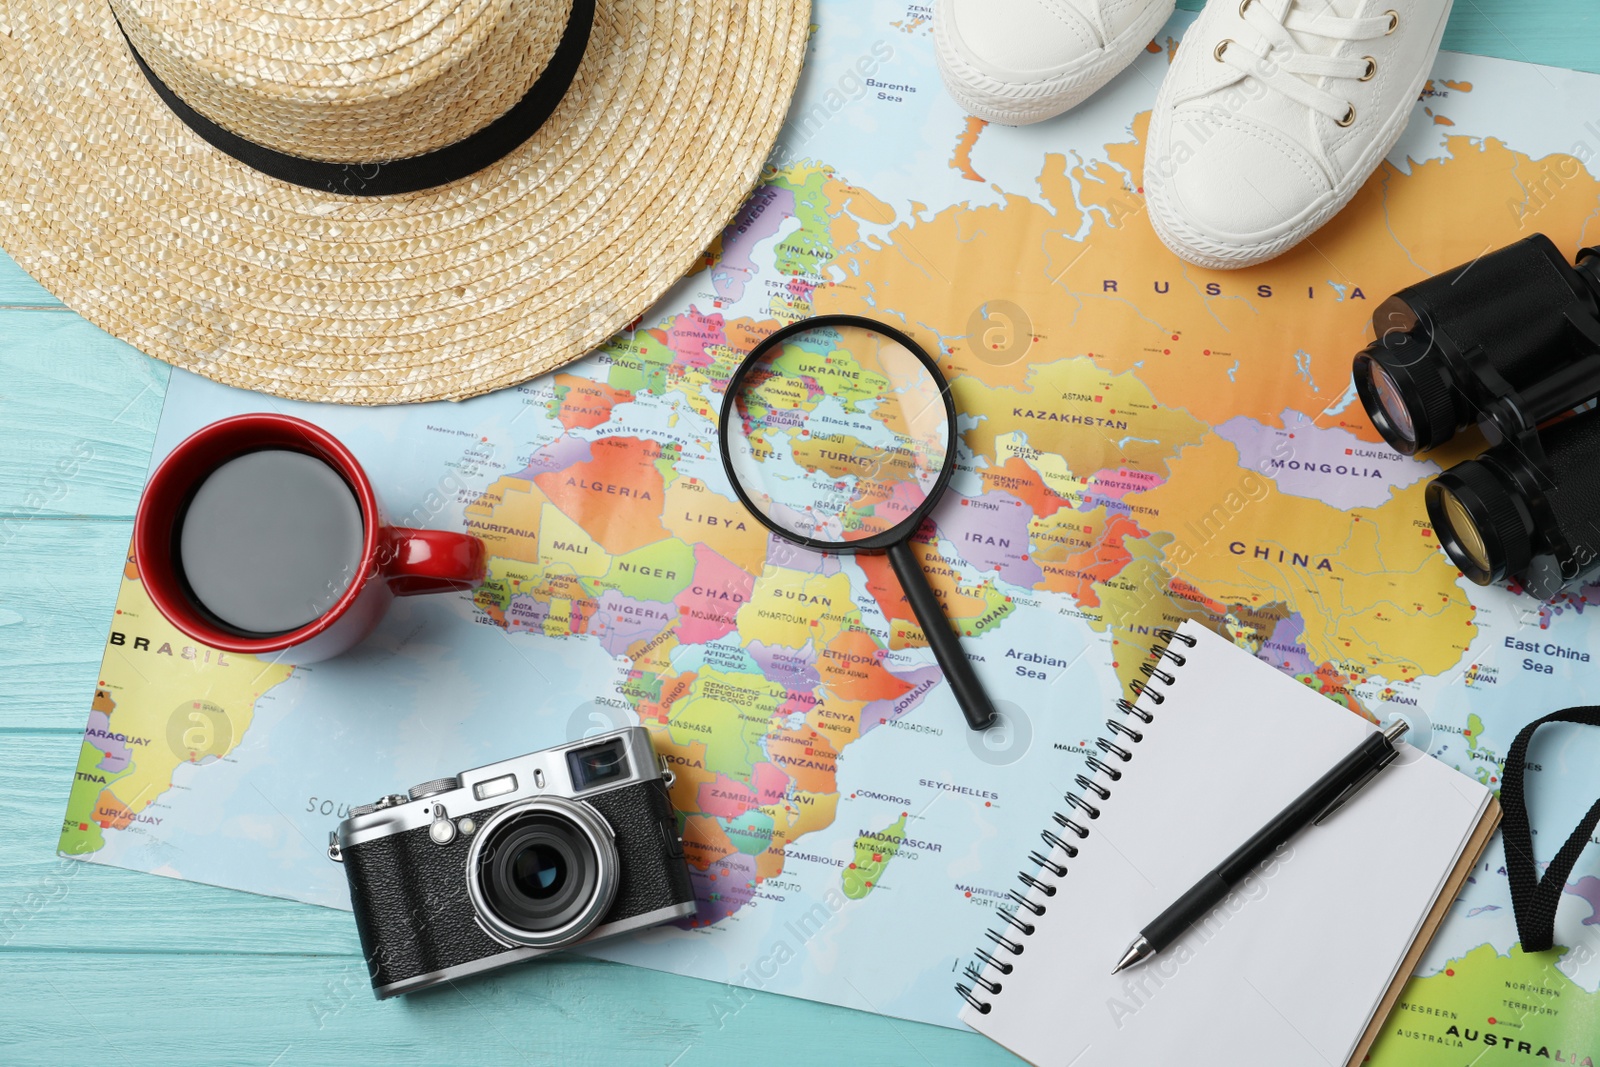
x: 1304, y: 961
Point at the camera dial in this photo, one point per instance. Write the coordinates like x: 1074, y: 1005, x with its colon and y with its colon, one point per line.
x: 433, y: 788
x: 542, y: 872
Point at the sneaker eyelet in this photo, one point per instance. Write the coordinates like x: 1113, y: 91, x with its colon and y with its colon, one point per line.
x: 1349, y: 118
x: 1372, y: 69
x: 1222, y: 46
x: 1394, y: 21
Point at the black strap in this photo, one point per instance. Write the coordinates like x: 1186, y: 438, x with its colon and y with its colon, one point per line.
x: 1534, y: 899
x: 440, y: 167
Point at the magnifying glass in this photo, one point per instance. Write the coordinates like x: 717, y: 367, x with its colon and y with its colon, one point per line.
x: 839, y: 434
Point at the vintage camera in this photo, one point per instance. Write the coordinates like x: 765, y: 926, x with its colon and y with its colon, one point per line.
x: 514, y: 860
x: 1511, y: 342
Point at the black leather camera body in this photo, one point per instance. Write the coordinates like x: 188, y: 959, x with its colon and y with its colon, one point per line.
x: 514, y: 860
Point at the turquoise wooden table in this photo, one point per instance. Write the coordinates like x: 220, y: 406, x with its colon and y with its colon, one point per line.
x: 103, y: 966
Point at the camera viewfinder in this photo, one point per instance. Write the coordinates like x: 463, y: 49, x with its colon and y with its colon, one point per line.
x: 597, y: 764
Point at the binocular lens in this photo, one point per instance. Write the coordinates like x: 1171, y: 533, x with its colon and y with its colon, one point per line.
x: 1393, y: 404
x: 1484, y: 517
x: 1463, y: 531
x: 1501, y: 338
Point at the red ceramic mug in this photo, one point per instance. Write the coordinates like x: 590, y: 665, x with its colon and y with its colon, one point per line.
x: 394, y: 561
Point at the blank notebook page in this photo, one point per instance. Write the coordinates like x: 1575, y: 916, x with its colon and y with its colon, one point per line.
x: 1291, y: 968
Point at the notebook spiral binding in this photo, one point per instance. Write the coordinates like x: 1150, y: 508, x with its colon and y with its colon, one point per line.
x: 1067, y: 825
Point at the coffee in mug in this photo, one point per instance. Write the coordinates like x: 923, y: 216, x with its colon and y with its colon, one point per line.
x: 270, y: 541
x: 261, y: 534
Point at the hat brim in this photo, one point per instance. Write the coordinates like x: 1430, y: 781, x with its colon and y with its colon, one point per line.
x: 123, y: 212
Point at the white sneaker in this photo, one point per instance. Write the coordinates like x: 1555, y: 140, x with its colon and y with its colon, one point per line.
x: 1022, y: 61
x: 1274, y: 113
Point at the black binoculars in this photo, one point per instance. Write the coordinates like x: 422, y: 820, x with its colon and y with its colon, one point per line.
x: 1509, y: 342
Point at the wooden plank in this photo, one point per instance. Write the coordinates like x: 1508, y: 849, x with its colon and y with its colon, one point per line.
x: 282, y: 1011
x: 58, y: 589
x: 78, y: 414
x: 17, y: 288
x: 1552, y: 34
x: 1556, y: 34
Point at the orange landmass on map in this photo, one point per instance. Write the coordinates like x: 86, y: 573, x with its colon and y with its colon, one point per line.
x: 1371, y: 584
x: 1022, y: 481
x: 850, y: 669
x: 616, y: 496
x: 1216, y: 343
x: 586, y: 403
x: 886, y: 590
x: 704, y: 841
x: 506, y: 518
x: 801, y: 814
x: 806, y: 756
x: 673, y: 689
x: 846, y: 204
x: 1078, y: 574
x: 840, y: 720
x: 966, y: 141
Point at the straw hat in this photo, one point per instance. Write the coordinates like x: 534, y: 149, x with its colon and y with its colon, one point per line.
x: 374, y: 201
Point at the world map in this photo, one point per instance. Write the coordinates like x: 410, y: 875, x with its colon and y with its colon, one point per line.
x: 1139, y: 443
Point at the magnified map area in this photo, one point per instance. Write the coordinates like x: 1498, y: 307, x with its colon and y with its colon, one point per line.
x: 839, y: 433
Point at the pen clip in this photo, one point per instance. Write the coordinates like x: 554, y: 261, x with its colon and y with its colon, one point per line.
x: 1353, y: 788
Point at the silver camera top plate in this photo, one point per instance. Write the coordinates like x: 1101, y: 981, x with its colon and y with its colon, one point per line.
x: 544, y: 773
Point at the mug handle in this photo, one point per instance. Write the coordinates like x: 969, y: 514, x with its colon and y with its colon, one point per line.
x: 414, y: 562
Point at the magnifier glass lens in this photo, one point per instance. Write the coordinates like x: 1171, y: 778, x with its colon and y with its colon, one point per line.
x: 838, y: 434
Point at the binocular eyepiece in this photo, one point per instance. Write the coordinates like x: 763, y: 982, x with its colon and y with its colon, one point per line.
x: 1509, y: 342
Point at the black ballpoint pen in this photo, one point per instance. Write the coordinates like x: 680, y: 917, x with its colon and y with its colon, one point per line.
x: 1327, y: 795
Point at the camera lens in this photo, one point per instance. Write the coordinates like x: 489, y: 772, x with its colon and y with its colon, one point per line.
x: 539, y: 871
x: 543, y: 872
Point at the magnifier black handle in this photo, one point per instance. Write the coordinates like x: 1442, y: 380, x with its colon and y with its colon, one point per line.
x: 946, y: 643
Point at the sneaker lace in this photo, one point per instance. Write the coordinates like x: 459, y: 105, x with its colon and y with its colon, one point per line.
x: 1289, y: 68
